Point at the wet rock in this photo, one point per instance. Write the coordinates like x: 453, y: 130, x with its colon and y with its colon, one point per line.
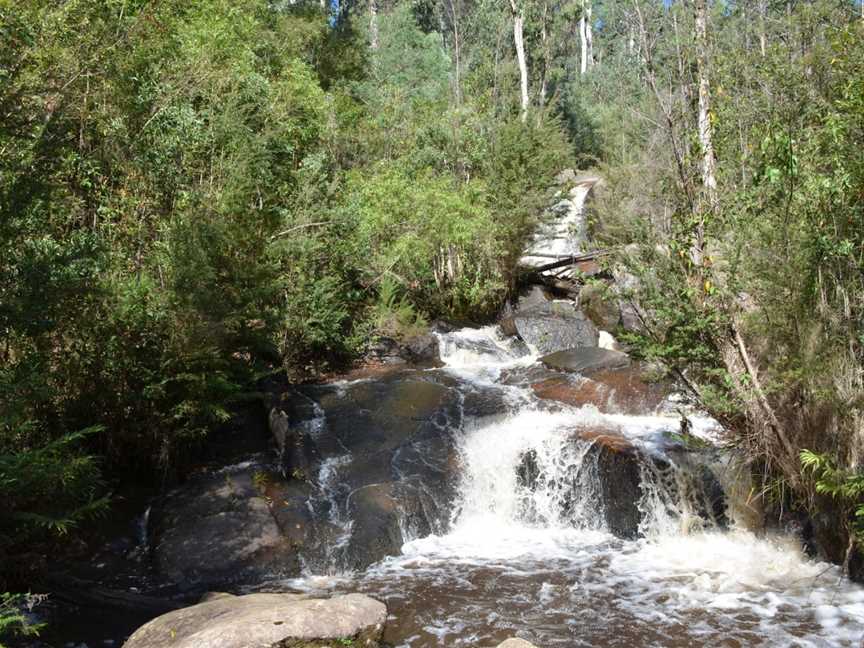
x: 418, y: 350
x: 535, y: 296
x: 821, y: 533
x: 267, y: 621
x: 217, y: 528
x: 507, y: 324
x: 422, y: 349
x: 611, y: 482
x: 619, y: 477
x: 294, y: 447
x: 386, y: 516
x: 600, y: 305
x: 289, y: 507
x: 484, y: 402
x: 611, y: 391
x: 586, y: 360
x: 386, y: 461
x: 555, y: 326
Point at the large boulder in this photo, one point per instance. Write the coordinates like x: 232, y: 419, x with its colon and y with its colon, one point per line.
x: 381, y: 463
x: 585, y: 360
x: 217, y: 528
x: 555, y: 326
x: 267, y: 621
x: 516, y: 643
x: 619, y: 479
x: 421, y: 349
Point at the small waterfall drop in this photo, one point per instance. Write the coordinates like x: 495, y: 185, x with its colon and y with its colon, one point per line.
x: 576, y: 528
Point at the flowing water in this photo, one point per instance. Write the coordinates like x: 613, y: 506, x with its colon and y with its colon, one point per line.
x: 537, y: 560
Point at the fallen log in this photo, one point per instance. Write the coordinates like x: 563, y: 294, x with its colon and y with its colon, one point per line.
x: 568, y: 260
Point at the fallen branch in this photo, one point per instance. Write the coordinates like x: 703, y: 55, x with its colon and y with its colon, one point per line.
x: 568, y: 260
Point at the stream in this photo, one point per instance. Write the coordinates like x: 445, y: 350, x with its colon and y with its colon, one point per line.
x: 533, y: 555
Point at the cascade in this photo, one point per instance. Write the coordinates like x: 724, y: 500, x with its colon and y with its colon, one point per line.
x: 572, y: 526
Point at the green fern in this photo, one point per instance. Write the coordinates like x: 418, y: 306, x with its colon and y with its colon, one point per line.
x: 13, y: 620
x: 843, y: 485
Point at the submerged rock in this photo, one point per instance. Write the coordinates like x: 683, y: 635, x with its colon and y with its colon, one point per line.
x: 585, y: 360
x: 267, y: 621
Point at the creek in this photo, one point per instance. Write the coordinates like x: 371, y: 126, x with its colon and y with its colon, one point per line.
x: 524, y: 546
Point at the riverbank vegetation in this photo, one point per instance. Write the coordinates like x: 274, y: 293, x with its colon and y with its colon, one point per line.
x: 736, y: 197
x: 194, y: 195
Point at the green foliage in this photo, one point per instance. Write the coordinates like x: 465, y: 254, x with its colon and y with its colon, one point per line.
x: 845, y: 486
x: 14, y: 620
x: 756, y: 301
x: 393, y: 315
x: 193, y: 195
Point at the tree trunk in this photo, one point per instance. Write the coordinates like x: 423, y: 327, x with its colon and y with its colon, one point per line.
x: 457, y: 49
x: 589, y: 34
x: 373, y: 24
x: 544, y: 37
x: 708, y: 164
x: 518, y: 39
x: 583, y: 39
x: 763, y: 37
x: 666, y: 106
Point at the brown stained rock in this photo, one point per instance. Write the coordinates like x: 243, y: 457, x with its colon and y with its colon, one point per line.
x: 267, y: 621
x: 589, y: 268
x: 611, y: 391
x: 608, y: 440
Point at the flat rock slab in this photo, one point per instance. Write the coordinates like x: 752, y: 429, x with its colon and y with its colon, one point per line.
x: 217, y: 526
x: 267, y: 621
x: 516, y: 643
x: 585, y: 360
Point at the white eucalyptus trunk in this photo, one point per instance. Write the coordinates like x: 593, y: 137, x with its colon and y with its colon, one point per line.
x: 708, y: 162
x: 519, y: 40
x: 583, y: 38
x: 589, y: 34
x: 373, y: 24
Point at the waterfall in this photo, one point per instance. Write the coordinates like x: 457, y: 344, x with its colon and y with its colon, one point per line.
x: 573, y: 526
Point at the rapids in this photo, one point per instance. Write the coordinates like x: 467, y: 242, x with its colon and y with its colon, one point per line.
x: 538, y: 562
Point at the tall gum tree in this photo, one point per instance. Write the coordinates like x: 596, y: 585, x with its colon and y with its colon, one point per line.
x: 518, y: 11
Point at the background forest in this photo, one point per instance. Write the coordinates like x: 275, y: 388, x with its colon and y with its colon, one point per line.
x: 194, y: 195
